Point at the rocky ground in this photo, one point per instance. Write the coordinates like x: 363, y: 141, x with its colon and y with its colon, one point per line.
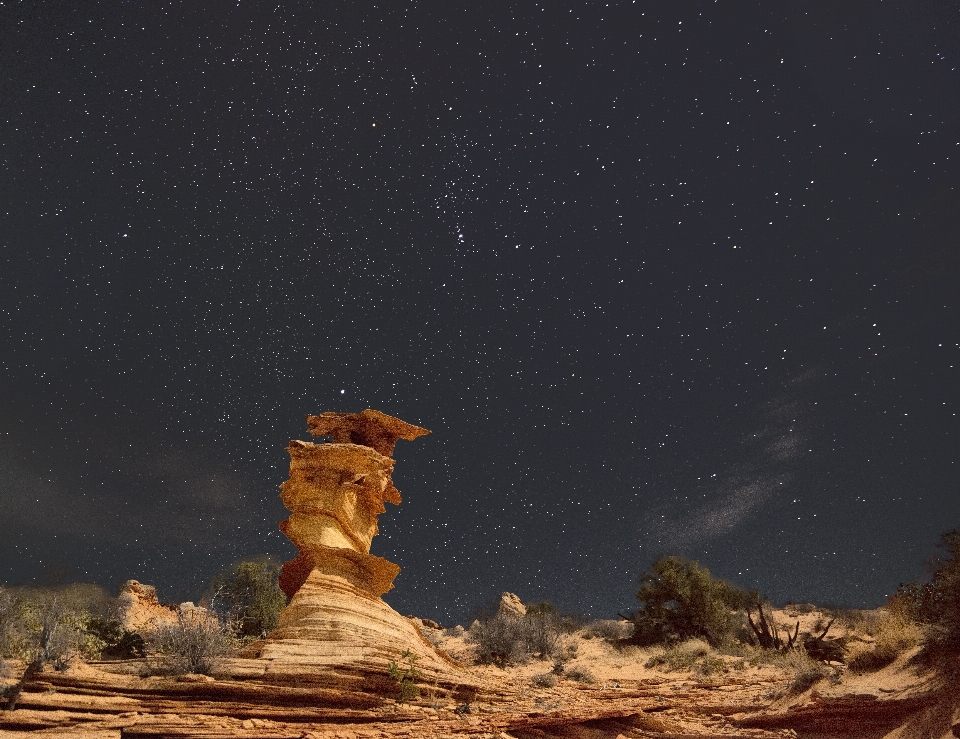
x: 605, y: 691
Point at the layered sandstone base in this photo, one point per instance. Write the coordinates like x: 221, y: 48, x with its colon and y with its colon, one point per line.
x: 334, y: 628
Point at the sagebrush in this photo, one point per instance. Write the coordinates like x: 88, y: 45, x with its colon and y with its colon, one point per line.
x: 504, y: 639
x: 194, y: 644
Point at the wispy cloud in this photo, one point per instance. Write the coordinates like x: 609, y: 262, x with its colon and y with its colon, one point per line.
x: 758, y: 468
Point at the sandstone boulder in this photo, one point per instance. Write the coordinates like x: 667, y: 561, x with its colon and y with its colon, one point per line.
x: 139, y: 610
x: 512, y: 606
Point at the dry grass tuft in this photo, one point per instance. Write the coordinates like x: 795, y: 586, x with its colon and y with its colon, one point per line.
x: 609, y: 629
x: 580, y: 675
x: 893, y: 635
x: 546, y: 680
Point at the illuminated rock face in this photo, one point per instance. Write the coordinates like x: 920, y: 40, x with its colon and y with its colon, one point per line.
x: 335, y: 493
x: 336, y: 620
x: 139, y: 609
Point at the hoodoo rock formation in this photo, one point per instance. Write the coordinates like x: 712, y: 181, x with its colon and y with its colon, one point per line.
x: 336, y: 621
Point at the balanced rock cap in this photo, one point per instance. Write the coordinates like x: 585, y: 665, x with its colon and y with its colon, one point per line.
x: 370, y: 428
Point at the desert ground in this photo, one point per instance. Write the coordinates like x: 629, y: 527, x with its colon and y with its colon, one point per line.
x: 602, y: 688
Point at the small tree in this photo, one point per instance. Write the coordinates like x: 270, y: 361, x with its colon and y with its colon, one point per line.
x: 50, y: 624
x: 42, y: 627
x: 248, y: 596
x: 541, y: 630
x: 680, y: 600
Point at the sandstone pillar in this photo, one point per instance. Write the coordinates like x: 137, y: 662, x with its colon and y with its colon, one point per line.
x: 336, y: 621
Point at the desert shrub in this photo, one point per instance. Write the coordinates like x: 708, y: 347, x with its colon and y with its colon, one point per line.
x: 546, y: 680
x: 735, y: 648
x: 894, y: 635
x: 799, y: 609
x: 936, y: 603
x: 504, y: 639
x: 542, y: 634
x: 194, y: 644
x: 11, y: 631
x: 681, y: 600
x: 434, y: 636
x: 609, y: 629
x: 581, y: 675
x: 248, y: 597
x: 855, y: 619
x: 695, y: 655
x: 118, y: 643
x: 500, y: 640
x: 406, y: 677
x: 872, y: 622
x: 50, y: 625
x: 545, y: 608
x: 805, y: 670
x: 682, y: 656
x: 711, y: 665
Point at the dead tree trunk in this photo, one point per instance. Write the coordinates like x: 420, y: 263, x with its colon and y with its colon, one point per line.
x: 825, y: 651
x: 767, y: 635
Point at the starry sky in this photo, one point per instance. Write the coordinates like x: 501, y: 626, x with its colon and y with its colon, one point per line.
x: 662, y: 278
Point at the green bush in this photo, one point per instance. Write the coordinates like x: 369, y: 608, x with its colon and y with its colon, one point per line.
x: 680, y: 600
x: 248, y: 597
x: 407, y: 677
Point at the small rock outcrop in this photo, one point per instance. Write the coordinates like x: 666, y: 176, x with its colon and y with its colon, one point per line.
x: 139, y: 610
x: 336, y: 620
x: 511, y: 605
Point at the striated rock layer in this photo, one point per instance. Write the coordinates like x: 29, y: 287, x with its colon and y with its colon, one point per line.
x: 336, y: 621
x: 331, y: 624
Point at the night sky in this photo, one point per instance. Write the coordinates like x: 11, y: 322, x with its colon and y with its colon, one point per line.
x: 662, y: 278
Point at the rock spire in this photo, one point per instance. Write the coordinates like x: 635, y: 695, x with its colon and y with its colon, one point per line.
x: 335, y: 493
x: 336, y: 620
